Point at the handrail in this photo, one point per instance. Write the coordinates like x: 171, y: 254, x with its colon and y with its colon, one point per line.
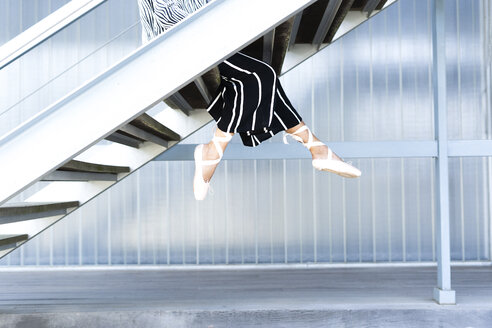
x: 45, y: 28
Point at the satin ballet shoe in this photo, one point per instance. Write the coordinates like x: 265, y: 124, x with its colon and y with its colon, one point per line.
x: 200, y: 186
x: 324, y: 164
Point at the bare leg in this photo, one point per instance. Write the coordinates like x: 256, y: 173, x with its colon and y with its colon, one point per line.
x: 317, y: 152
x: 210, y: 153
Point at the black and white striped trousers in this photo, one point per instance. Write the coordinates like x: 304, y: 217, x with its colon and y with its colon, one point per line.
x: 250, y: 101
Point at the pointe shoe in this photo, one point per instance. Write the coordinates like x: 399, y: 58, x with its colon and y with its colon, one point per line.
x: 200, y: 186
x: 325, y: 164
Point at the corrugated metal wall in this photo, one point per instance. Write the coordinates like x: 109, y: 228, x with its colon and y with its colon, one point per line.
x: 373, y: 84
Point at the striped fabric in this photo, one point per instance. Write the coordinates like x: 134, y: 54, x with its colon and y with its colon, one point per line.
x: 160, y: 15
x: 250, y: 100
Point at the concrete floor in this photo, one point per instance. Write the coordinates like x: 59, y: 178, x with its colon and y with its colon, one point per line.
x: 298, y: 297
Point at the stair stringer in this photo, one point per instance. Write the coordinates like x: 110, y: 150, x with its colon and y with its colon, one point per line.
x: 138, y: 82
x: 112, y: 154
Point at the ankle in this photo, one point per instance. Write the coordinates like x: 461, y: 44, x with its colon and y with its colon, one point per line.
x: 319, y: 150
x: 304, y: 135
x: 209, y: 151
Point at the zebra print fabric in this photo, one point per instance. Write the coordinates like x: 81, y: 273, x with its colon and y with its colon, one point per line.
x: 160, y: 15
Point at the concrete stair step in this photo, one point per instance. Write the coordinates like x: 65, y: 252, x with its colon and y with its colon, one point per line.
x: 143, y: 135
x: 344, y: 9
x: 23, y: 211
x: 83, y: 171
x: 80, y: 166
x: 317, y: 24
x: 11, y: 241
x: 124, y: 139
x: 79, y: 176
x: 197, y: 94
x: 145, y: 128
x: 148, y: 124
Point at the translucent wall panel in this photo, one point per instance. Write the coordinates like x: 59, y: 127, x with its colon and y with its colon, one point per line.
x: 18, y: 15
x: 269, y: 211
x: 469, y: 184
x: 468, y: 59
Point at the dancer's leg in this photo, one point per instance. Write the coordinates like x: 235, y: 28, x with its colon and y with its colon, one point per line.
x: 317, y: 152
x: 210, y: 153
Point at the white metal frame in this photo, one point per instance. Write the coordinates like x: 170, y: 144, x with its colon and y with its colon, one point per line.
x: 443, y: 294
x: 346, y: 149
x: 132, y: 86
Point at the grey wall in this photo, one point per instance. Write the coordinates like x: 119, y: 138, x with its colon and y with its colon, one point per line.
x: 373, y: 84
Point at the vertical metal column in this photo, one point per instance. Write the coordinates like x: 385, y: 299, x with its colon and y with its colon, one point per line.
x: 442, y: 293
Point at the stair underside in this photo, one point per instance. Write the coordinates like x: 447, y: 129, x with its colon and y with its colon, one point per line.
x: 272, y: 48
x: 16, y: 212
x: 80, y: 166
x: 146, y: 123
x: 82, y: 171
x: 315, y: 19
x: 144, y: 128
x: 11, y: 241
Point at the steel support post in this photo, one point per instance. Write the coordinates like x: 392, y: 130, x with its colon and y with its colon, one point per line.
x: 442, y: 293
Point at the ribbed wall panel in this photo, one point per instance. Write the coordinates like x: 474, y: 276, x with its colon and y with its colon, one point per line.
x: 66, y: 60
x: 373, y: 84
x: 18, y: 15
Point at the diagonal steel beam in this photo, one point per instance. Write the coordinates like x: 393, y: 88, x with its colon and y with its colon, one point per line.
x: 124, y: 139
x: 370, y: 6
x: 181, y: 103
x: 268, y: 46
x: 141, y: 134
x: 326, y: 21
x: 80, y: 176
x: 68, y: 128
x: 202, y: 88
x: 295, y: 29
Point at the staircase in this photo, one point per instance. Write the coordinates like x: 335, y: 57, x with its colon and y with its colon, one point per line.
x: 99, y: 133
